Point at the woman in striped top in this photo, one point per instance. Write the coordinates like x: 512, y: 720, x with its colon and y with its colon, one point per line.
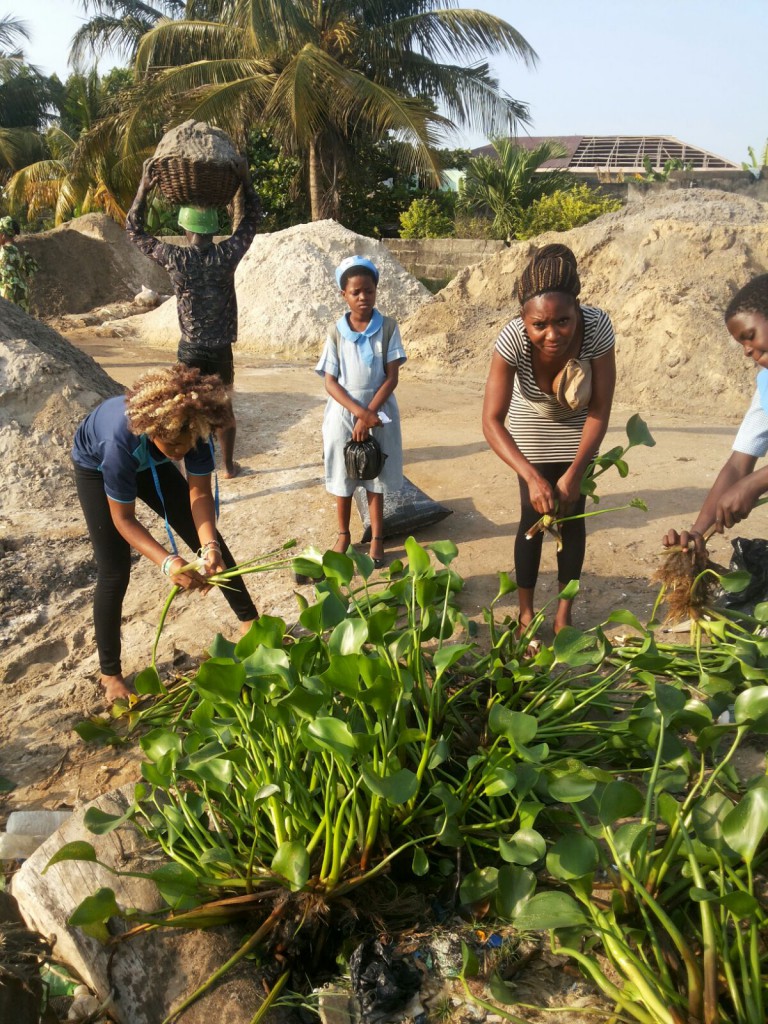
x: 548, y: 444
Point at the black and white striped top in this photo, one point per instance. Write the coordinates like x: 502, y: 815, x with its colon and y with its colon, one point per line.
x: 542, y: 429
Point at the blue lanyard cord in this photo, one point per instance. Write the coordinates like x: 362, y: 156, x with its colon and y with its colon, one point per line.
x: 155, y: 477
x: 215, y: 477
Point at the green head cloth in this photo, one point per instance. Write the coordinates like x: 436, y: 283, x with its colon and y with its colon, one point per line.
x: 201, y: 220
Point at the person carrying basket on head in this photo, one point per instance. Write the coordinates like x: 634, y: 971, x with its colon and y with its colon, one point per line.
x: 203, y: 277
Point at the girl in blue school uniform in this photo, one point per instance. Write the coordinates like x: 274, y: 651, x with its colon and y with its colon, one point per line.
x: 125, y: 450
x: 361, y: 364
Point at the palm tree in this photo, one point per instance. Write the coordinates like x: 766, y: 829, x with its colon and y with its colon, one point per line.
x: 71, y: 176
x: 501, y: 187
x: 318, y: 72
x: 117, y: 26
x: 25, y: 100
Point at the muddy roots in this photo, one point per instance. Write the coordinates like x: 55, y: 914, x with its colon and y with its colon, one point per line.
x: 686, y: 595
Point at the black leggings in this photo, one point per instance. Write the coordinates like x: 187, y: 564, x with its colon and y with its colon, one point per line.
x: 113, y: 552
x: 528, y: 552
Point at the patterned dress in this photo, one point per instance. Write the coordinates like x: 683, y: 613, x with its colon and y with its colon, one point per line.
x: 16, y: 268
x: 203, y: 279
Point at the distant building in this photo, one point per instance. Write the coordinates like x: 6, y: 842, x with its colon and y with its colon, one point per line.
x: 450, y: 179
x: 602, y: 157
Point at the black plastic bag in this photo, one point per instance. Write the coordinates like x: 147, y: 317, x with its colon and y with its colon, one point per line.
x: 752, y: 556
x: 405, y: 511
x: 363, y: 460
x: 382, y: 984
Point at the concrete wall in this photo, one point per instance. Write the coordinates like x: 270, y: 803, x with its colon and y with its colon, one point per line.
x: 439, y: 259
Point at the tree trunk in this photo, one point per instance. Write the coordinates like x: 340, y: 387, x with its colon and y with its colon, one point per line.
x: 315, y: 185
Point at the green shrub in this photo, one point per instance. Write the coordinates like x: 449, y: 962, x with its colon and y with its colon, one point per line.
x: 468, y: 226
x: 563, y: 210
x: 425, y: 219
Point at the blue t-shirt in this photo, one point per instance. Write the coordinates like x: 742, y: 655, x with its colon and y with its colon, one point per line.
x: 104, y: 441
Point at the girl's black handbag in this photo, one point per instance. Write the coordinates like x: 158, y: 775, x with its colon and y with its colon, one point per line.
x: 363, y: 460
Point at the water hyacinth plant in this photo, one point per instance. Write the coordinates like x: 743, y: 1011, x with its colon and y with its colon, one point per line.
x: 587, y: 792
x: 638, y: 434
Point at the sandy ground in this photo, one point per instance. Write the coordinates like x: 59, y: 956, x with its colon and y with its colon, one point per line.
x: 49, y: 667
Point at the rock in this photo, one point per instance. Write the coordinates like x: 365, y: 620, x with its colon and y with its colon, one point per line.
x: 151, y: 973
x: 147, y: 297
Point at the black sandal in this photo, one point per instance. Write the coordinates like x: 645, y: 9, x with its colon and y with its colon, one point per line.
x: 378, y: 563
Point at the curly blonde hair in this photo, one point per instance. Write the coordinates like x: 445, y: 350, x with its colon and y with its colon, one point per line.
x: 176, y: 401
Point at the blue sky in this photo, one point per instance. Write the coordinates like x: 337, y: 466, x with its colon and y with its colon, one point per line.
x: 693, y: 69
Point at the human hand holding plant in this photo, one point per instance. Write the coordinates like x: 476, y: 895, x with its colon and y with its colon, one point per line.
x: 567, y: 491
x: 210, y: 556
x: 541, y: 494
x: 637, y: 434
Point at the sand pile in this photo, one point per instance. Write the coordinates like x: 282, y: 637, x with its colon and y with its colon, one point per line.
x: 664, y: 269
x: 46, y: 387
x: 286, y: 292
x: 85, y: 263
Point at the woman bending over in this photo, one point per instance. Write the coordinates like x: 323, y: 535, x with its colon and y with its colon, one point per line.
x: 125, y: 450
x: 545, y: 431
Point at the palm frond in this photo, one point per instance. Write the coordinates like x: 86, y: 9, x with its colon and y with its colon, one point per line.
x: 276, y: 27
x: 19, y: 147
x: 174, y: 44
x: 453, y: 33
x: 318, y: 72
x: 11, y: 29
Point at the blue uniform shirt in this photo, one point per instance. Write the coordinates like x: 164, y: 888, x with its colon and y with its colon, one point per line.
x: 752, y: 436
x: 104, y: 441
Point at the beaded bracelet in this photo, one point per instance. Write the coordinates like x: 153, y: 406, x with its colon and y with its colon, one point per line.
x: 211, y: 545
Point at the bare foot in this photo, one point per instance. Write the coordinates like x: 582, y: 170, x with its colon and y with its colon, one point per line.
x: 245, y: 626
x: 562, y: 619
x: 115, y: 688
x: 230, y: 472
x: 342, y: 542
x: 524, y: 620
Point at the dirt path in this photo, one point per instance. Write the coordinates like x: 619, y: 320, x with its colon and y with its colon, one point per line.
x: 49, y: 666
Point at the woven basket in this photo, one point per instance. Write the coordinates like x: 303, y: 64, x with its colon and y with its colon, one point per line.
x: 196, y: 184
